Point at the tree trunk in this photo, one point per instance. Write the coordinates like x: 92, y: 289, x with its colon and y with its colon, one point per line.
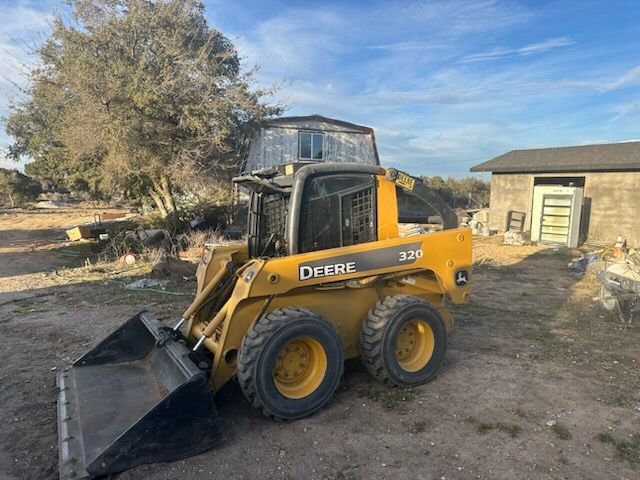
x: 165, y: 190
x: 163, y: 197
x: 159, y: 203
x: 13, y: 203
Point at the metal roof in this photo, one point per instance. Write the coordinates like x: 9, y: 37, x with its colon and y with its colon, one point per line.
x: 318, y: 118
x: 583, y: 158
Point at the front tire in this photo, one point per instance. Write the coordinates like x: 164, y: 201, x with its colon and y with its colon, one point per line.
x: 290, y: 363
x: 403, y: 341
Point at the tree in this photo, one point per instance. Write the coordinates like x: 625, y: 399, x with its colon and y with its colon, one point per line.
x: 468, y: 192
x: 17, y: 188
x: 138, y: 97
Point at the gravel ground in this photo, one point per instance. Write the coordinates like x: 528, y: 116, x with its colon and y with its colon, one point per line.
x: 537, y: 383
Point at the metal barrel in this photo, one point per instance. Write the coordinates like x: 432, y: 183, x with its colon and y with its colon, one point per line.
x: 135, y: 398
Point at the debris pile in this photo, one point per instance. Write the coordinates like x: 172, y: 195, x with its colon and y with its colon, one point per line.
x: 478, y: 222
x: 619, y: 275
x: 514, y: 238
x: 583, y: 262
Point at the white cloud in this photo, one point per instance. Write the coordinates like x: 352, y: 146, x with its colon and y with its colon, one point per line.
x: 530, y: 49
x: 408, y: 45
x: 545, y: 45
x: 626, y: 110
x: 462, y: 17
x: 294, y: 43
x: 20, y: 33
x: 21, y: 30
x: 629, y: 77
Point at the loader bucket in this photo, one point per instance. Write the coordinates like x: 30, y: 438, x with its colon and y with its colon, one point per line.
x: 135, y: 398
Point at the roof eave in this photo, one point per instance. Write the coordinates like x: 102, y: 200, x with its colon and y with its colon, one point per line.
x: 558, y: 169
x: 321, y: 118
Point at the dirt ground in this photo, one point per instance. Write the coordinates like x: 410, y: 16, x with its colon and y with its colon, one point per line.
x: 537, y: 382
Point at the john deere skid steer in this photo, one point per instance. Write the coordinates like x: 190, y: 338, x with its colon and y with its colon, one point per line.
x: 325, y: 276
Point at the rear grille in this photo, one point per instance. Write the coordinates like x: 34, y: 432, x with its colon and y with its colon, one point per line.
x: 362, y: 216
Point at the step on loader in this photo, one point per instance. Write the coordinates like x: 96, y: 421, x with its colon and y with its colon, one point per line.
x: 326, y: 274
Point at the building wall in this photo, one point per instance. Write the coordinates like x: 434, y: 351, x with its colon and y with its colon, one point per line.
x: 277, y: 145
x: 509, y: 192
x: 612, y: 200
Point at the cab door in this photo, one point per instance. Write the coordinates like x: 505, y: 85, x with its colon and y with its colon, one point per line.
x: 337, y: 210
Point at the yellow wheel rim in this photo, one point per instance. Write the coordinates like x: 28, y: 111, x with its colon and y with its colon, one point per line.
x: 414, y: 345
x: 300, y: 368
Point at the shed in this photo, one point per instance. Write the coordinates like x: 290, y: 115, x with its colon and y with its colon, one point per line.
x: 607, y: 177
x: 311, y: 138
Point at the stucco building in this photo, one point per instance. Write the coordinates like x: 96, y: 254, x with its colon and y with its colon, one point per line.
x: 607, y: 178
x: 311, y: 138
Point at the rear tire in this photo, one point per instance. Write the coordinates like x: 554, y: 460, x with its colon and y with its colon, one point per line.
x: 290, y: 363
x: 403, y: 341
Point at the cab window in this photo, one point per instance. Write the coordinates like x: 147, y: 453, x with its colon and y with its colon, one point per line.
x: 337, y: 210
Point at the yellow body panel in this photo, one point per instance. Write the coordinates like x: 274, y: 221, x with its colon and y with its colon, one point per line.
x: 237, y: 254
x: 341, y: 284
x: 344, y: 300
x: 387, y: 206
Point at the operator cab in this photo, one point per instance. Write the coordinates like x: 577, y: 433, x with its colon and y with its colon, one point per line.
x: 307, y: 207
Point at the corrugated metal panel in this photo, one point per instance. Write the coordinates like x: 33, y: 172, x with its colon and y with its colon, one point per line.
x: 312, y: 121
x: 275, y: 145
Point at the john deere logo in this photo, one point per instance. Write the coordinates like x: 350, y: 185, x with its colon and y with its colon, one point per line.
x: 462, y: 278
x: 330, y: 270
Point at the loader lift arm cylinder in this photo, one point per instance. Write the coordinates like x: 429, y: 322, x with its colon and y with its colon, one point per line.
x: 201, y: 299
x: 206, y: 291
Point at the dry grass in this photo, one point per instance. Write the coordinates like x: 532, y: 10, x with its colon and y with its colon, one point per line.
x: 483, y: 428
x: 561, y: 431
x: 193, y: 243
x: 153, y: 255
x: 389, y: 398
x: 627, y: 450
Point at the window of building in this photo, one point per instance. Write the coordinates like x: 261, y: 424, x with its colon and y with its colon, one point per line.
x: 310, y: 146
x: 337, y: 210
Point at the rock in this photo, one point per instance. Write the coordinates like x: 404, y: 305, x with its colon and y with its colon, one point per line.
x: 513, y: 238
x: 551, y: 423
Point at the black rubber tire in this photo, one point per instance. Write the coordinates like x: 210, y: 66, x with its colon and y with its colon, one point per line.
x: 258, y: 352
x: 379, y: 335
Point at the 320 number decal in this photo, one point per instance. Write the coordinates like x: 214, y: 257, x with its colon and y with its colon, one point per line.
x: 410, y: 255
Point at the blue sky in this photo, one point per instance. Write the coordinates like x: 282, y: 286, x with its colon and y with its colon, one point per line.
x: 445, y: 84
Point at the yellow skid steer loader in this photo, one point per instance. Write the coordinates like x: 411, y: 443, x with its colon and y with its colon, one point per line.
x: 325, y: 276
